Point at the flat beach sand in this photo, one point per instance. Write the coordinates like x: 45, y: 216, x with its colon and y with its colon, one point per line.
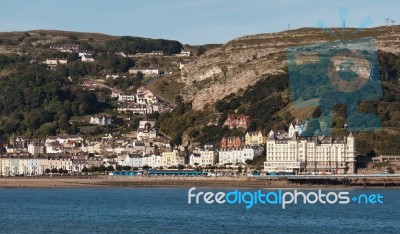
x: 178, y: 181
x: 136, y: 181
x: 46, y: 183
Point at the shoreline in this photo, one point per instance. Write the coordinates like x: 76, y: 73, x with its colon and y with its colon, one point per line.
x: 179, y: 182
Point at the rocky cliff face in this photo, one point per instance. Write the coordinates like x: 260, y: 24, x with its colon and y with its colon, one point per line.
x: 242, y: 61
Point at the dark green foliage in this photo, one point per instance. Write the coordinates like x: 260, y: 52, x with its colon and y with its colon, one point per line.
x: 110, y: 168
x: 113, y: 64
x: 93, y: 169
x: 180, y: 105
x: 389, y: 66
x: 154, y: 115
x: 174, y: 124
x: 72, y: 37
x: 72, y: 57
x: 118, y: 64
x: 240, y: 169
x: 139, y: 76
x: 102, y: 168
x: 134, y: 45
x: 211, y: 135
x: 201, y: 50
x: 124, y: 83
x: 126, y: 168
x: 135, y: 122
x: 61, y: 171
x: 37, y: 101
x: 177, y: 140
x: 5, y: 61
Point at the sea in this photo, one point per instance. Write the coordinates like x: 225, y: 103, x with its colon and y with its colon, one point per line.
x: 166, y: 210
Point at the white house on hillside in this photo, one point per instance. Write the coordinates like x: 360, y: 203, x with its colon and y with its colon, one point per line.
x: 55, y: 61
x: 184, y: 54
x: 101, y: 120
x: 87, y: 58
x: 145, y: 71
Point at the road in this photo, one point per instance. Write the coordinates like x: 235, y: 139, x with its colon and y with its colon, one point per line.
x: 148, y: 83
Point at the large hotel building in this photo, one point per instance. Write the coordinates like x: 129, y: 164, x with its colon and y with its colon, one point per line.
x: 289, y: 153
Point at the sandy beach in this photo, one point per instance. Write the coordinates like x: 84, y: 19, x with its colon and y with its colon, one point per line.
x: 138, y: 181
x: 168, y: 181
x: 13, y: 182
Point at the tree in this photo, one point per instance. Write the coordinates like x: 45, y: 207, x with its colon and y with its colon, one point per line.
x: 253, y: 126
x: 72, y: 57
x: 240, y: 169
x: 154, y: 115
x: 102, y: 168
x: 72, y: 37
x: 139, y: 76
x: 85, y: 170
x: 176, y: 141
x: 181, y: 167
x: 180, y: 104
x: 47, y: 171
x: 110, y: 168
x: 201, y: 50
x: 248, y: 161
x: 126, y: 168
x: 60, y: 170
x: 93, y: 169
x: 54, y: 170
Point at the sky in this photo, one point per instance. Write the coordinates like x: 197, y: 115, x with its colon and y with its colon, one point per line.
x: 192, y: 22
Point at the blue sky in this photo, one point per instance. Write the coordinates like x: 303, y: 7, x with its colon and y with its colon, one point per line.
x: 189, y: 21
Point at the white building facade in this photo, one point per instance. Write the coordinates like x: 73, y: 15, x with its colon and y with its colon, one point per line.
x: 316, y: 154
x: 234, y: 156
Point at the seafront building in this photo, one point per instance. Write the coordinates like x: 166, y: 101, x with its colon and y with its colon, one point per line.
x: 32, y: 165
x: 203, y: 158
x: 296, y: 154
x: 237, y: 155
x: 255, y: 138
x: 172, y: 158
x: 152, y: 160
x: 131, y: 160
x: 285, y: 152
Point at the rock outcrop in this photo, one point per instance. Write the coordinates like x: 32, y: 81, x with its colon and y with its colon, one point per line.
x: 242, y: 61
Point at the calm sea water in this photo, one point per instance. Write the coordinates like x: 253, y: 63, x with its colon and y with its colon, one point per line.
x: 165, y: 210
